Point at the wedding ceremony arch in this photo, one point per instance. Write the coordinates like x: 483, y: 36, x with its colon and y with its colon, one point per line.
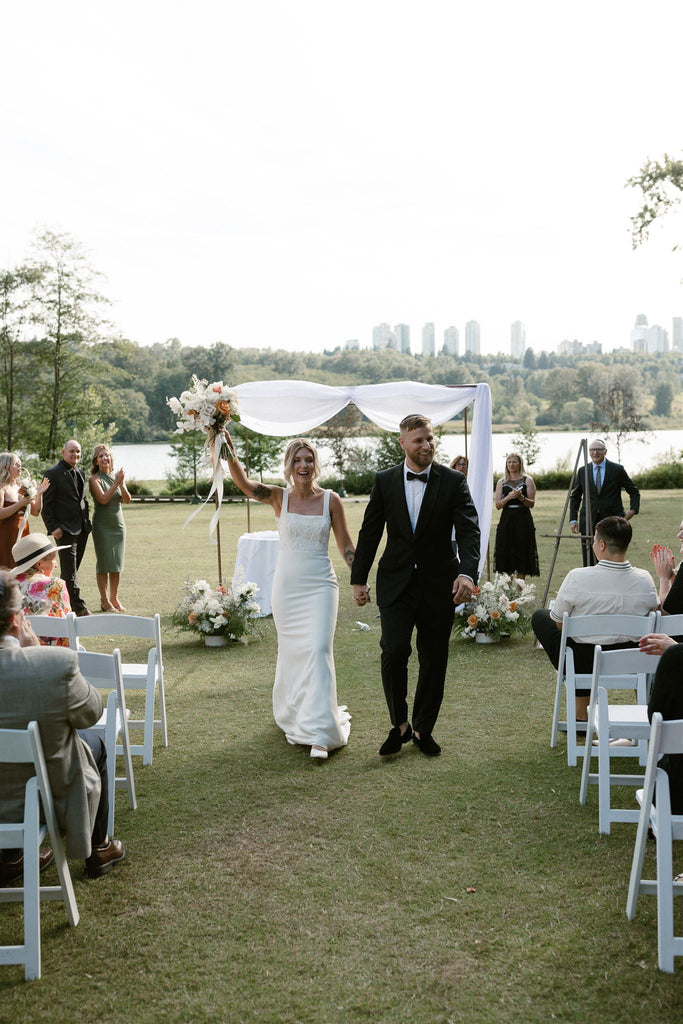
x: 290, y: 407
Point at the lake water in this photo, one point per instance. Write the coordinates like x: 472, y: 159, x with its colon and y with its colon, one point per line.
x: 153, y: 461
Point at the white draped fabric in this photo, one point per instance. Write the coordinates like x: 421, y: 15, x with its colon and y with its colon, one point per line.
x: 291, y: 407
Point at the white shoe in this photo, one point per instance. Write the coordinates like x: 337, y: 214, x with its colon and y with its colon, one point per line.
x: 623, y: 742
x: 316, y: 752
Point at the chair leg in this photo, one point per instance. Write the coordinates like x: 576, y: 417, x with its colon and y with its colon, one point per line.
x: 556, y: 712
x: 638, y: 858
x: 31, y: 886
x: 572, y: 746
x: 665, y: 889
x: 603, y: 768
x: 162, y: 711
x: 148, y: 738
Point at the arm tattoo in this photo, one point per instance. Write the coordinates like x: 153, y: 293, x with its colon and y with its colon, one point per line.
x: 261, y: 492
x: 348, y: 556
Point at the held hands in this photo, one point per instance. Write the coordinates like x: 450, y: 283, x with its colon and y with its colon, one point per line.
x: 463, y: 588
x: 119, y: 476
x: 361, y: 594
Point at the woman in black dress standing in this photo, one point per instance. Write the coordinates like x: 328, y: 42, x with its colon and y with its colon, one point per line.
x: 515, y: 551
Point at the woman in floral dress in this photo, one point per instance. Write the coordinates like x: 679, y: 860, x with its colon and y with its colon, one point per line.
x: 36, y: 556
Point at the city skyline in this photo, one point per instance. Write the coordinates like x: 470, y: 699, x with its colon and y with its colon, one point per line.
x: 644, y: 337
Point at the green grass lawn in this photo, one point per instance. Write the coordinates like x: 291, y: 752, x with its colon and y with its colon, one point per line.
x: 260, y: 886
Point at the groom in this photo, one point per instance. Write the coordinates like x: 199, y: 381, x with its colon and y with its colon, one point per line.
x: 419, y: 580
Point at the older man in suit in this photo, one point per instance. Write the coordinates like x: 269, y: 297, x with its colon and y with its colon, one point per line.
x: 419, y: 579
x: 66, y: 517
x: 43, y: 684
x: 605, y: 483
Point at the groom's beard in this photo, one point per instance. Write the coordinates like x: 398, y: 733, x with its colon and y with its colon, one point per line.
x: 423, y: 459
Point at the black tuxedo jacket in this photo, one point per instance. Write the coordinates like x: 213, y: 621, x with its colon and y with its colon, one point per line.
x: 447, y: 503
x: 62, y: 500
x: 608, y: 502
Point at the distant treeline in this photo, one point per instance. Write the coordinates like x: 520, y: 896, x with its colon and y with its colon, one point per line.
x: 62, y: 372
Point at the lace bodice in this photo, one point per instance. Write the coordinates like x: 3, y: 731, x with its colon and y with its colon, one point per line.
x: 304, y: 533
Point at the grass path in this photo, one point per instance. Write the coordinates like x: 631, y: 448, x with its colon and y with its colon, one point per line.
x: 260, y: 886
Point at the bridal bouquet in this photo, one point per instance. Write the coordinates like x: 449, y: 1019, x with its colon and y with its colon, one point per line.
x: 501, y: 606
x: 209, y: 408
x: 219, y: 611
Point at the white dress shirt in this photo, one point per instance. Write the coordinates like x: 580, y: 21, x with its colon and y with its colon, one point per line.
x: 415, y: 492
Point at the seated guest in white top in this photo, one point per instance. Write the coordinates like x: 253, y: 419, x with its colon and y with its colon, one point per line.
x: 611, y: 587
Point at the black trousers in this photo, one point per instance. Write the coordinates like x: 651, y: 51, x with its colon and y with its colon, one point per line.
x: 428, y: 609
x: 667, y: 698
x: 70, y: 559
x: 547, y: 633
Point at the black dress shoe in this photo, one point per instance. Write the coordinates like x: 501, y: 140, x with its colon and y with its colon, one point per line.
x: 395, y: 741
x: 427, y: 744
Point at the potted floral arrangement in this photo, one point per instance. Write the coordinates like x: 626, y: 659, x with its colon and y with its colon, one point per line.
x: 219, y: 613
x: 500, y: 607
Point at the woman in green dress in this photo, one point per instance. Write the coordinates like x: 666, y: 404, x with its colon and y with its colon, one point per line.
x: 108, y: 527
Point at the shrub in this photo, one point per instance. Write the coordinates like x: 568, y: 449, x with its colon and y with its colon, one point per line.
x: 661, y: 477
x: 135, y: 487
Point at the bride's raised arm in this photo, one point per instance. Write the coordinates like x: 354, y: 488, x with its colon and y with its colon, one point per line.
x: 269, y: 494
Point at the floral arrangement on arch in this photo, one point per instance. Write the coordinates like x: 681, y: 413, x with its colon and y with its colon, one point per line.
x: 231, y: 612
x: 209, y: 407
x: 501, y: 606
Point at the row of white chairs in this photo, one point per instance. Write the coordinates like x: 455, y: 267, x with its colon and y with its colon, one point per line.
x: 626, y: 669
x: 105, y: 672
x: 147, y: 676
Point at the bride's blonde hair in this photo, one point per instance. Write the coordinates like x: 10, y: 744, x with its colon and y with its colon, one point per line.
x: 292, y: 448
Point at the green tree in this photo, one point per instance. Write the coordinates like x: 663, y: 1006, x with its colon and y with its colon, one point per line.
x: 187, y: 449
x: 664, y: 396
x: 15, y: 354
x: 618, y: 402
x: 265, y: 451
x: 661, y: 185
x: 527, y: 443
x: 338, y: 434
x: 65, y: 311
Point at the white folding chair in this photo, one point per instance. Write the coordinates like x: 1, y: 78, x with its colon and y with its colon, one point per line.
x: 23, y: 746
x: 616, y: 670
x: 669, y: 625
x: 632, y: 626
x: 53, y: 626
x: 104, y: 672
x: 665, y: 738
x: 147, y: 676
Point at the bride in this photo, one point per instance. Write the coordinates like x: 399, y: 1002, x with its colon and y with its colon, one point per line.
x: 305, y: 599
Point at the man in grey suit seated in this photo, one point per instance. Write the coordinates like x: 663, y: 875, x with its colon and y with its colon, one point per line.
x: 43, y: 684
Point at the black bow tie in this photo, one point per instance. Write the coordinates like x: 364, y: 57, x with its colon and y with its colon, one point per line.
x: 424, y: 477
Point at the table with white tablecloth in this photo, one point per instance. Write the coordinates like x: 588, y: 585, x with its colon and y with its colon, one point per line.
x: 255, y: 563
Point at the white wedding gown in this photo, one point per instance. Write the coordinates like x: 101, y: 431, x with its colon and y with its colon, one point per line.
x: 305, y: 601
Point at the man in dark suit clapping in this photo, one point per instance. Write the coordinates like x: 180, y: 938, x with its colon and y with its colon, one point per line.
x: 419, y: 579
x: 605, y: 481
x: 66, y: 517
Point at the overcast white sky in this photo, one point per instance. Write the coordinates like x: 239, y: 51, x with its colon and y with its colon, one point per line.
x: 289, y: 173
